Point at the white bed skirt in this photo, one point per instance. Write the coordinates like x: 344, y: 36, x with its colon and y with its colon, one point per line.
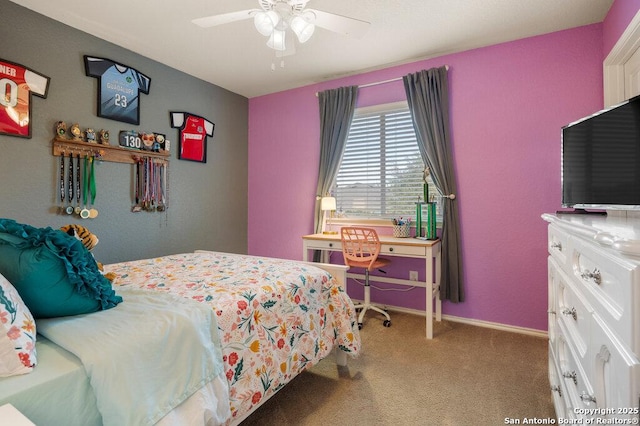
x: 207, y: 407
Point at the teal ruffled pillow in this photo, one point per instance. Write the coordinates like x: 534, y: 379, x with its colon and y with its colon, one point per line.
x: 53, y: 272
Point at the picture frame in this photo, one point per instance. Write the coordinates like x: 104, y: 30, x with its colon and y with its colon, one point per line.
x: 119, y: 88
x: 193, y: 131
x: 18, y: 84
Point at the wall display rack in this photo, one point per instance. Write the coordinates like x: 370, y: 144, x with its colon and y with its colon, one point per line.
x: 151, y: 168
x: 104, y: 152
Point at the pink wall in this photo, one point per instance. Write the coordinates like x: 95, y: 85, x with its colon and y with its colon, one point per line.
x: 508, y: 103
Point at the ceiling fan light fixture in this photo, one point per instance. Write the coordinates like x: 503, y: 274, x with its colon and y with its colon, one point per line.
x: 276, y: 40
x: 302, y: 28
x: 266, y: 22
x: 275, y: 18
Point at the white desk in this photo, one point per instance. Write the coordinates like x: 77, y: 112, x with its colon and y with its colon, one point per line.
x: 401, y: 247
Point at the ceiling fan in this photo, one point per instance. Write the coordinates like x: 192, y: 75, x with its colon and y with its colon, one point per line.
x: 275, y: 17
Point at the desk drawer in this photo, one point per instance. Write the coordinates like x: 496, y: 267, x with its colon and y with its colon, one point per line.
x: 402, y: 250
x: 324, y: 245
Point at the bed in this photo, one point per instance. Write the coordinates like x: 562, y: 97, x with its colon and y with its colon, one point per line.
x: 262, y: 321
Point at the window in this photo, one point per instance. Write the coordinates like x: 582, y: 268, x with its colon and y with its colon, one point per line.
x: 381, y: 174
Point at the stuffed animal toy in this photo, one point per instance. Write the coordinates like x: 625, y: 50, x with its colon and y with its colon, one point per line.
x: 88, y: 240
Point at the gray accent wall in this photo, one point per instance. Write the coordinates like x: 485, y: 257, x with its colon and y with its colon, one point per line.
x: 207, y: 202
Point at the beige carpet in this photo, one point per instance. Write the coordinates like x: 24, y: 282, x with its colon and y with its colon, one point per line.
x: 466, y: 375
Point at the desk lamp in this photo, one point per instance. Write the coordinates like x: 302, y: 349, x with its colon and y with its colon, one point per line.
x: 327, y: 204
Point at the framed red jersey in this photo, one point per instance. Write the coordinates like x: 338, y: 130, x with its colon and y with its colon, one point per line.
x: 193, y: 132
x: 17, y: 84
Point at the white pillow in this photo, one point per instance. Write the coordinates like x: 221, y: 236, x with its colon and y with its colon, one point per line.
x: 17, y: 333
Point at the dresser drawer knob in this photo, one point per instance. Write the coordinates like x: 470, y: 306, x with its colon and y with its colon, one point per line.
x: 555, y: 388
x: 571, y: 312
x: 586, y: 398
x: 593, y: 276
x: 390, y: 248
x: 330, y: 244
x: 571, y: 375
x: 557, y: 246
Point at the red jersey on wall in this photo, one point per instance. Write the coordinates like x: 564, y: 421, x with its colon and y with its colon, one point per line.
x: 193, y: 135
x: 17, y: 83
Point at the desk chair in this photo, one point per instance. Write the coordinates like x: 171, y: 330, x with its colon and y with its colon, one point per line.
x: 360, y: 248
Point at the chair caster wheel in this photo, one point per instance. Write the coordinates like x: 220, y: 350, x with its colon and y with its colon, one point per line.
x: 387, y: 323
x: 359, y: 326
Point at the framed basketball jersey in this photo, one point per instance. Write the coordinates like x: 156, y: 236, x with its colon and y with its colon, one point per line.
x: 193, y: 132
x: 17, y: 84
x: 119, y: 89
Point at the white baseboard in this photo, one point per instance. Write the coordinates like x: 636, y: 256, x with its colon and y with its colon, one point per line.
x: 479, y: 323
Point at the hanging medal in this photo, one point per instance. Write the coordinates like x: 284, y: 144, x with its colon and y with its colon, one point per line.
x: 165, y: 185
x: 145, y: 186
x: 93, y: 212
x: 69, y: 208
x: 160, y: 190
x: 84, y: 213
x: 152, y: 182
x: 137, y: 207
x: 61, y: 208
x: 78, y: 184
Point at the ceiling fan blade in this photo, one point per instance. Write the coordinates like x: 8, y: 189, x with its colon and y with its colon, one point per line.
x: 225, y: 18
x: 340, y: 24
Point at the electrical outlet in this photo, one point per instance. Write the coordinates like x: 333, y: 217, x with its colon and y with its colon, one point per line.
x: 413, y: 275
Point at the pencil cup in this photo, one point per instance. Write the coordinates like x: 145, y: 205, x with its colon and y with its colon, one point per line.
x: 401, y: 231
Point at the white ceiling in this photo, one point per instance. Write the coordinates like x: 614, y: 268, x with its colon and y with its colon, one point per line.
x: 235, y: 57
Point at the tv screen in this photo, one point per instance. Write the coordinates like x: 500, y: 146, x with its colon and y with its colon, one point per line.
x: 601, y: 159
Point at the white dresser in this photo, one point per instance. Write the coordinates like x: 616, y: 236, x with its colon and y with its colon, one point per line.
x: 594, y: 317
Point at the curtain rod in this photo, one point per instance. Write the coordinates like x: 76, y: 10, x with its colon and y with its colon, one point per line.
x: 379, y: 82
x: 391, y: 80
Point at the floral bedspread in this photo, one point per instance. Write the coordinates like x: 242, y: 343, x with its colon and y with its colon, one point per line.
x: 276, y: 317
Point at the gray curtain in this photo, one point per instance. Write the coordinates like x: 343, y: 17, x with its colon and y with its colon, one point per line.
x: 428, y: 97
x: 337, y: 107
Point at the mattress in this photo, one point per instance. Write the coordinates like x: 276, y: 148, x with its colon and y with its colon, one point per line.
x: 56, y: 393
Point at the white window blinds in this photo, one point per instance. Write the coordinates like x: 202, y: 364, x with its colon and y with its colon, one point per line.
x: 381, y: 174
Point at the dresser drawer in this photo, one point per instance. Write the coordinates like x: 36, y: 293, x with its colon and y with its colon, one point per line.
x: 553, y: 270
x: 572, y: 310
x: 573, y: 375
x: 610, y: 284
x: 551, y: 310
x: 558, y: 391
x: 558, y: 244
x: 615, y: 371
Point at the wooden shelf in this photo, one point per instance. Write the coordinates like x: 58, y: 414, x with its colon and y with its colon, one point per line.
x: 114, y: 153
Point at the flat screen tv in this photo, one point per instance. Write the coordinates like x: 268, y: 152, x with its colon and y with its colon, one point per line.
x: 601, y: 159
